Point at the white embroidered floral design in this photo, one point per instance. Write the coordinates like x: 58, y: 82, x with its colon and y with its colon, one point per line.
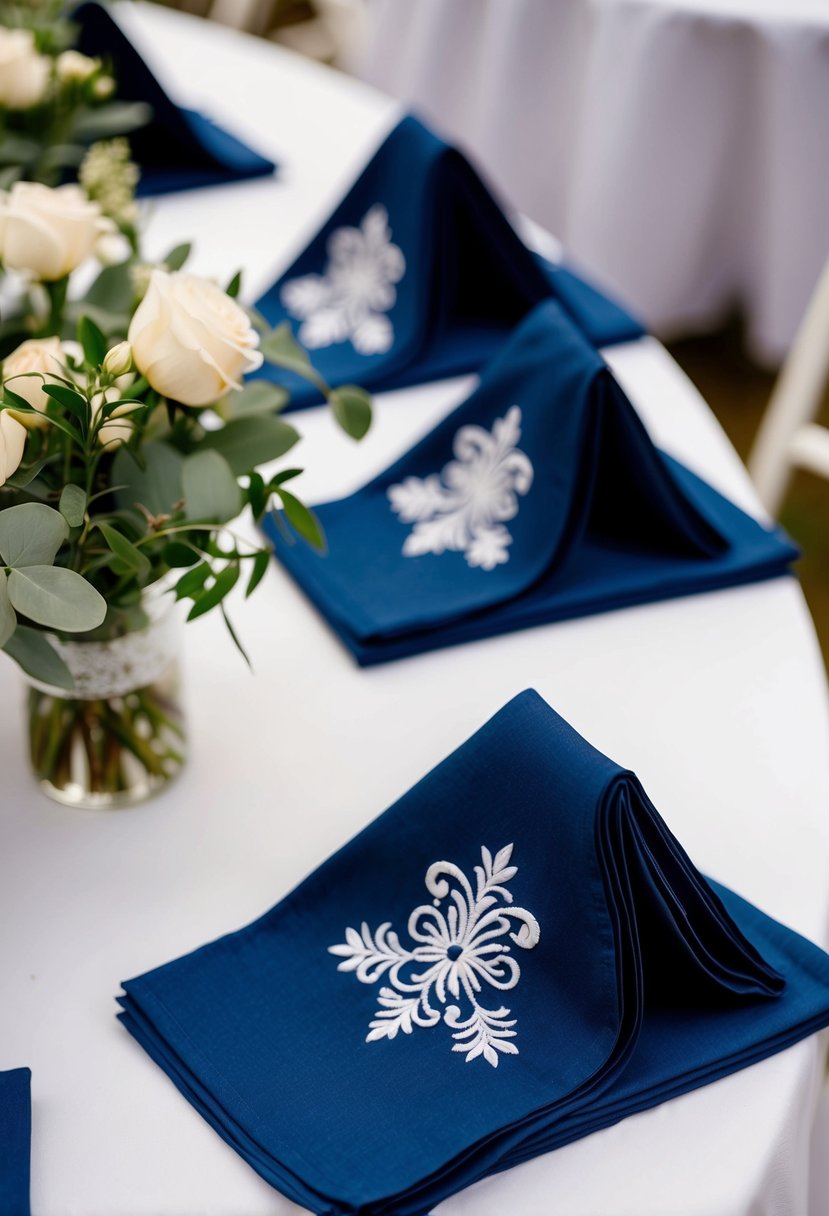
x: 457, y: 952
x: 347, y: 302
x: 462, y: 509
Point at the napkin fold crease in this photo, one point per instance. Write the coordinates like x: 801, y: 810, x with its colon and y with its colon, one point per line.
x: 515, y: 954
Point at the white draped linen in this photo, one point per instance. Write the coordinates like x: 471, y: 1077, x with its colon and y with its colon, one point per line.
x: 678, y: 147
x: 719, y: 702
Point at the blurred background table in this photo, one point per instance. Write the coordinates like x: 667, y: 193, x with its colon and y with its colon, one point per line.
x: 718, y: 701
x: 677, y: 147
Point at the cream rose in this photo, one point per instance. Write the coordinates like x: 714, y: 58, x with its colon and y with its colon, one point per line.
x: 12, y: 442
x: 190, y: 340
x: 43, y: 355
x: 73, y: 67
x: 24, y: 74
x: 48, y: 232
x: 116, y: 430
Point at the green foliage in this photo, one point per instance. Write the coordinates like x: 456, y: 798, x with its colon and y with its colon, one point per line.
x: 72, y: 505
x: 211, y: 492
x: 352, y: 409
x: 251, y: 441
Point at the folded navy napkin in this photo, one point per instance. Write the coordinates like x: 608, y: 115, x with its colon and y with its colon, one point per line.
x: 515, y: 954
x: 15, y: 1141
x: 178, y: 149
x: 541, y: 497
x: 418, y: 275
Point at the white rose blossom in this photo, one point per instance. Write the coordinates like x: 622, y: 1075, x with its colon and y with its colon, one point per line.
x: 48, y: 232
x: 72, y: 66
x: 12, y: 442
x: 191, y: 341
x: 42, y: 355
x: 117, y: 429
x: 24, y: 74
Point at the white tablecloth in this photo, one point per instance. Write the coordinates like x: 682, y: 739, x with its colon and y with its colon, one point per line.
x: 678, y: 147
x: 719, y: 702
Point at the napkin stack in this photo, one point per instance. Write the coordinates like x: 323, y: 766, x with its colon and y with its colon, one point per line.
x: 418, y: 275
x: 515, y: 954
x: 541, y: 497
x: 15, y: 1141
x: 178, y: 149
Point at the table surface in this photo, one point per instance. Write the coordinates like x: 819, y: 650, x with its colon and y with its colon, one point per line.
x: 717, y: 701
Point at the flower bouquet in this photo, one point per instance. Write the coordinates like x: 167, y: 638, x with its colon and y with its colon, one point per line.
x: 54, y: 101
x: 128, y: 444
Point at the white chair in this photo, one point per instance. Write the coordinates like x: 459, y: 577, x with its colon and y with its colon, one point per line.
x: 789, y: 437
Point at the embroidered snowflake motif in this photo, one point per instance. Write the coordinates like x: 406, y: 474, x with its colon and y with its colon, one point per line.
x: 463, y: 508
x: 347, y: 302
x: 457, y: 952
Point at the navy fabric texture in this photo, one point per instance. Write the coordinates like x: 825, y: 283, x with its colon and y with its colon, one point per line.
x: 418, y: 275
x: 178, y: 149
x: 15, y: 1141
x: 515, y: 954
x: 540, y: 497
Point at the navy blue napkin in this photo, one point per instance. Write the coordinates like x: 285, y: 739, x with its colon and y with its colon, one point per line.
x: 515, y: 954
x: 178, y: 149
x: 541, y: 497
x: 15, y: 1141
x: 418, y: 275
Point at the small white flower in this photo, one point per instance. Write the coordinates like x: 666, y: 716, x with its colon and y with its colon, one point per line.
x: 24, y: 74
x: 73, y: 67
x: 349, y: 300
x: 118, y: 359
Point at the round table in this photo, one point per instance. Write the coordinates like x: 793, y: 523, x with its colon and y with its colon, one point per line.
x: 678, y: 147
x: 718, y: 701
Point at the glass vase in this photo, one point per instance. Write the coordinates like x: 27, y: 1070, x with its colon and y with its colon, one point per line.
x: 118, y: 737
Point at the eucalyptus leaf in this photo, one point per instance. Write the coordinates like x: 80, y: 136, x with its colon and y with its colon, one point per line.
x: 157, y: 486
x: 31, y: 534
x: 258, y: 397
x: 248, y: 442
x: 8, y: 619
x: 104, y: 122
x: 176, y: 258
x: 281, y: 348
x: 72, y: 505
x: 211, y: 492
x: 38, y: 658
x: 113, y: 291
x: 352, y: 409
x: 134, y: 560
x: 57, y: 598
